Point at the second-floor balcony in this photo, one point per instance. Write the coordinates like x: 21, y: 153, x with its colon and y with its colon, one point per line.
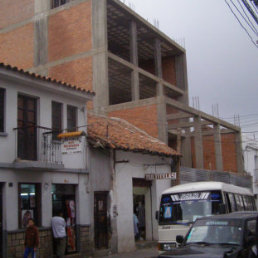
x: 37, y: 147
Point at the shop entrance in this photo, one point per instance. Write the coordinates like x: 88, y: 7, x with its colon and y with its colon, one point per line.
x: 1, y: 222
x: 100, y: 220
x: 142, y: 209
x: 63, y: 198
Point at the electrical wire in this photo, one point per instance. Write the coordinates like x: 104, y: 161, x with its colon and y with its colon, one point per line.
x: 250, y: 23
x: 241, y: 24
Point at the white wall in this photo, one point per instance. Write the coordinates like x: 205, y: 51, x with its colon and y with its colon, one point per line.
x: 125, y: 172
x: 46, y: 179
x: 45, y: 98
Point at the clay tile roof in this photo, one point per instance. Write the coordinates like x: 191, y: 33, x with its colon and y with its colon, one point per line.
x: 117, y: 133
x: 45, y: 78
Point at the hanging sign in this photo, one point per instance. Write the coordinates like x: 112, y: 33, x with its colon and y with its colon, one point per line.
x: 153, y: 176
x: 71, y: 146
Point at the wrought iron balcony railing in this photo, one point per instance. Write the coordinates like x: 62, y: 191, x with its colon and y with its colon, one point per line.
x: 38, y: 143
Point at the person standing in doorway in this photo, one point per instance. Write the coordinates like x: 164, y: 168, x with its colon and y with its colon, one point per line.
x: 59, y: 233
x: 31, y: 242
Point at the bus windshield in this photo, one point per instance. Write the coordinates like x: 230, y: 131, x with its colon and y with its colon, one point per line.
x: 185, y: 208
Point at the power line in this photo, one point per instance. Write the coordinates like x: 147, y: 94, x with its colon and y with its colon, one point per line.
x: 241, y: 24
x: 251, y: 24
x: 250, y: 10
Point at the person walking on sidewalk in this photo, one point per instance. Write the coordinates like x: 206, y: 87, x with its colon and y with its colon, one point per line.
x: 31, y: 239
x: 59, y: 233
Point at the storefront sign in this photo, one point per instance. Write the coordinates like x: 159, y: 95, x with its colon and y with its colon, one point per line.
x: 161, y: 176
x: 71, y: 146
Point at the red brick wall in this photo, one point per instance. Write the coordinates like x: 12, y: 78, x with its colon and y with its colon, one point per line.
x: 169, y: 70
x: 209, y: 159
x: 69, y: 32
x: 77, y: 72
x: 15, y: 11
x: 229, y: 153
x: 144, y: 117
x: 17, y: 47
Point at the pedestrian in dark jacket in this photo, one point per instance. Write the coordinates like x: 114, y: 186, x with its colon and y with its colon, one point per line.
x: 31, y: 239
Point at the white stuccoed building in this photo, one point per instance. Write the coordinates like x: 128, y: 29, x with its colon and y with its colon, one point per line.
x: 37, y: 177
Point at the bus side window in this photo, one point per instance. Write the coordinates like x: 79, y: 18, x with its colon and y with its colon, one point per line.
x: 239, y: 202
x: 227, y: 202
x: 232, y: 202
x: 246, y: 203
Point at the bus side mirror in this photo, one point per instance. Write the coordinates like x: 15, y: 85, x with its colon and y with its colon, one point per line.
x: 157, y: 215
x: 179, y: 239
x: 222, y: 208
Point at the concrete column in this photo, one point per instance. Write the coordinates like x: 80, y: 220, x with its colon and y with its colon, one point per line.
x: 218, y: 149
x: 186, y: 150
x: 134, y: 60
x: 181, y: 77
x: 158, y: 66
x: 162, y: 120
x: 100, y: 59
x: 239, y: 154
x: 198, y: 146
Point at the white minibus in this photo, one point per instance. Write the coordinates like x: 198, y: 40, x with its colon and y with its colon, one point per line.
x: 181, y: 205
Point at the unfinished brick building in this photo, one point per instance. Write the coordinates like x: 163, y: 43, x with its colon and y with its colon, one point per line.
x: 137, y: 72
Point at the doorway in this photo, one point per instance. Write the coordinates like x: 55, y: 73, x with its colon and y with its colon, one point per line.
x: 101, y: 220
x: 142, y: 207
x: 63, y: 200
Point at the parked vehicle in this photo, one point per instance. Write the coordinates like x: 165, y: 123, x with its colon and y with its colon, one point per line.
x: 181, y: 205
x: 229, y: 235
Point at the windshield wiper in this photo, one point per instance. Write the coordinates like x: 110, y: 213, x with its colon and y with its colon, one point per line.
x: 228, y: 244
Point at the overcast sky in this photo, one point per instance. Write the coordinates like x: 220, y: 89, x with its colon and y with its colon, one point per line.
x: 222, y: 61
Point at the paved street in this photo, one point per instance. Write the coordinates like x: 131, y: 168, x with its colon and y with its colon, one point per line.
x: 140, y: 253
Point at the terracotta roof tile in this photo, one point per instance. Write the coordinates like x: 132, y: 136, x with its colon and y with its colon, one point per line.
x: 117, y: 133
x: 45, y: 78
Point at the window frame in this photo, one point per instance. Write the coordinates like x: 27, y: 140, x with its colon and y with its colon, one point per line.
x: 2, y: 110
x: 74, y: 118
x: 58, y: 3
x: 56, y: 130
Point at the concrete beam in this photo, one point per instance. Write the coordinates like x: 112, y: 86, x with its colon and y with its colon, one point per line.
x: 198, y: 146
x: 120, y: 60
x: 207, y: 133
x: 186, y: 125
x: 129, y: 12
x: 179, y: 115
x: 180, y: 106
x: 218, y: 149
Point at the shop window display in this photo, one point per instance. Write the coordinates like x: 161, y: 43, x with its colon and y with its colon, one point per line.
x: 63, y: 198
x: 29, y: 204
